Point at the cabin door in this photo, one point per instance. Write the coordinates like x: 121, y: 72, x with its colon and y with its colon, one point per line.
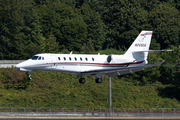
x: 53, y: 62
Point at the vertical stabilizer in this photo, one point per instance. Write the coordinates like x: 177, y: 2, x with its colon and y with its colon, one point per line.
x: 139, y: 46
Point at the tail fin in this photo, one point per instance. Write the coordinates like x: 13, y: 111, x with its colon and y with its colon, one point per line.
x: 139, y: 47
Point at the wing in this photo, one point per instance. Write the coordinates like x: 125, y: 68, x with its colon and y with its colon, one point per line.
x: 111, y: 72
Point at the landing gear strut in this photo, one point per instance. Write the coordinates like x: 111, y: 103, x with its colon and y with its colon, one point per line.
x: 29, y: 77
x: 82, y: 80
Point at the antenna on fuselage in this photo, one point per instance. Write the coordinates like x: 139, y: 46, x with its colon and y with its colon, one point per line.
x: 71, y: 52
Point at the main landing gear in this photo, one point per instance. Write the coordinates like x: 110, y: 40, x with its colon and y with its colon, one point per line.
x: 82, y: 80
x: 98, y: 80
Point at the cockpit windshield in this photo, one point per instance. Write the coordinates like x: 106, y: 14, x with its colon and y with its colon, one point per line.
x: 34, y: 57
x: 37, y: 58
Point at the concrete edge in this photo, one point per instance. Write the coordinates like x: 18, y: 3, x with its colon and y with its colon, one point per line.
x: 10, y: 117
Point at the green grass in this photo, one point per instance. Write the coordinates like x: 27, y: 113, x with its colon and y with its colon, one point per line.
x: 51, y: 89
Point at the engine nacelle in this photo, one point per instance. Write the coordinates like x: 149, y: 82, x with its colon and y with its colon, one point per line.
x: 116, y: 59
x: 109, y: 58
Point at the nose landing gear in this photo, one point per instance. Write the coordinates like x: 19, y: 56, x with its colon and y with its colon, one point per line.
x: 29, y: 77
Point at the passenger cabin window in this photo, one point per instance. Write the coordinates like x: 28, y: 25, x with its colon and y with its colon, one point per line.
x: 59, y: 58
x: 64, y: 58
x: 92, y: 59
x: 42, y: 58
x: 69, y: 58
x: 75, y: 59
x: 80, y: 58
x: 86, y: 59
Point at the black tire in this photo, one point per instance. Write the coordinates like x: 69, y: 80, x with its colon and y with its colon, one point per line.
x: 82, y: 80
x: 29, y: 78
x: 98, y: 80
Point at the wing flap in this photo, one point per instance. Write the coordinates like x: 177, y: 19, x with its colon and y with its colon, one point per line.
x: 123, y: 72
x: 111, y: 72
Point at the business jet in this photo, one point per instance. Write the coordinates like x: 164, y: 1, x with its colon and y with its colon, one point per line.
x: 134, y: 60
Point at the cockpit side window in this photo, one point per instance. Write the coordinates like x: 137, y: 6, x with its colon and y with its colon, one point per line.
x: 39, y: 58
x: 34, y: 57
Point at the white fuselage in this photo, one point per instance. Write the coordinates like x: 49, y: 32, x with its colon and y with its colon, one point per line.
x: 75, y: 63
x: 94, y: 65
x: 133, y: 60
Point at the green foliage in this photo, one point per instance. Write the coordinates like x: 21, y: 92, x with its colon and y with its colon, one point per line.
x: 88, y: 48
x: 30, y: 50
x: 19, y: 80
x: 75, y: 23
x: 11, y: 78
x: 123, y: 18
x: 67, y: 26
x: 15, y: 15
x: 165, y: 22
x: 154, y: 45
x: 95, y: 26
x: 33, y: 40
x: 149, y: 5
x: 52, y: 89
x: 39, y: 2
x: 51, y: 46
x: 170, y: 69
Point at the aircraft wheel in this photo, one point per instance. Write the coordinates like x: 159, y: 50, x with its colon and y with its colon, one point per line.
x: 82, y: 80
x: 98, y: 80
x: 29, y: 78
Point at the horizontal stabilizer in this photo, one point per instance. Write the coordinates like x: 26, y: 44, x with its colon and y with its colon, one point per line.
x: 152, y: 51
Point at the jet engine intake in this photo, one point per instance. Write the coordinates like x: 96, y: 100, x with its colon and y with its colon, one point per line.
x: 109, y: 58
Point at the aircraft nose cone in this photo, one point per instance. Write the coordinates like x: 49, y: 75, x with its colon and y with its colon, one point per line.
x: 18, y: 66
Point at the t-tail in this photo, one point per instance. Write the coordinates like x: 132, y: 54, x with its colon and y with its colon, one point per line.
x: 140, y: 47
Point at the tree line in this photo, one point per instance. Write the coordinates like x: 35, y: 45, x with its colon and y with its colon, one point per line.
x: 28, y: 27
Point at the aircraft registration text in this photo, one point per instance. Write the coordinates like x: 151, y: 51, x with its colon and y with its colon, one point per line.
x: 140, y: 45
